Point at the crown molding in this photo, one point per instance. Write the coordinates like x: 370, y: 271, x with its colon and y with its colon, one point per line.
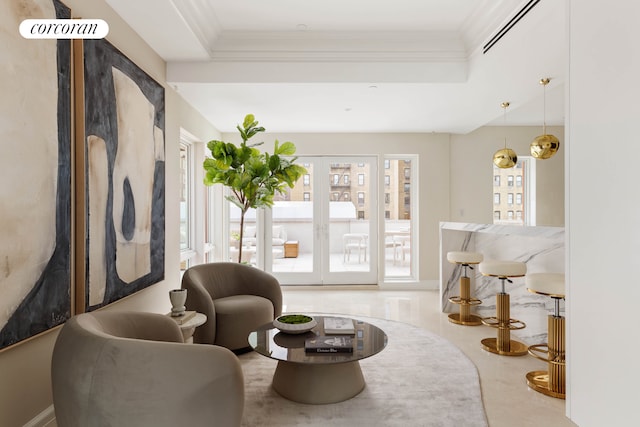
x: 338, y: 46
x: 201, y: 18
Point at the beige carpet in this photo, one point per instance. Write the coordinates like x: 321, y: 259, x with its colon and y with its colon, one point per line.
x: 419, y: 379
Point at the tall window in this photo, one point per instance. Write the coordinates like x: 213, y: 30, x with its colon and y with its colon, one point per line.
x: 336, y: 179
x: 209, y: 225
x: 400, y: 214
x: 187, y: 202
x: 360, y: 179
x: 306, y: 179
x: 360, y: 198
x: 345, y: 180
x: 521, y: 176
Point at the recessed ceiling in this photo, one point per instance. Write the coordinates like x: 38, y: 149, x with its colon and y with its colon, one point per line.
x: 310, y: 66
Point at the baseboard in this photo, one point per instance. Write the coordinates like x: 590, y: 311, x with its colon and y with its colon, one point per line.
x: 46, y: 418
x: 422, y: 285
x: 330, y: 287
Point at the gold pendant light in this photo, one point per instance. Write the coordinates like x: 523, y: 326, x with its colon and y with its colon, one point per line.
x: 506, y: 157
x: 544, y: 146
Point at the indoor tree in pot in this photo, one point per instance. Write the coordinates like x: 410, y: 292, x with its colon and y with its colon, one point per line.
x: 252, y: 176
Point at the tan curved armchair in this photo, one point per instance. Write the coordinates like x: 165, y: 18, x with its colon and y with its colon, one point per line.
x: 236, y: 298
x: 116, y: 368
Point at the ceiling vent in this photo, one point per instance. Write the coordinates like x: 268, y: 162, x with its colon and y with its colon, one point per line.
x: 509, y: 25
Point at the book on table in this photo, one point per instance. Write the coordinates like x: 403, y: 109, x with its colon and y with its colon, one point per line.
x: 328, y: 344
x: 338, y: 325
x: 181, y: 320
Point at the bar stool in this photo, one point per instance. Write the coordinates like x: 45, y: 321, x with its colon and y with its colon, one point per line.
x: 465, y: 259
x: 503, y: 344
x: 551, y: 382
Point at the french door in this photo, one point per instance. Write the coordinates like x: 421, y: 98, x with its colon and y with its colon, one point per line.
x: 324, y: 230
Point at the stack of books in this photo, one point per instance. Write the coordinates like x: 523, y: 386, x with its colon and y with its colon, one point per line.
x: 328, y: 344
x: 335, y: 338
x: 338, y: 326
x: 181, y: 320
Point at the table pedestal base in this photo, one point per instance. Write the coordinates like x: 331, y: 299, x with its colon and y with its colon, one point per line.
x: 318, y: 383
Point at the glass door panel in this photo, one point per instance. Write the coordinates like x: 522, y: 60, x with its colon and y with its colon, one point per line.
x: 349, y: 216
x: 250, y: 236
x: 329, y: 222
x: 293, y: 229
x: 399, y: 252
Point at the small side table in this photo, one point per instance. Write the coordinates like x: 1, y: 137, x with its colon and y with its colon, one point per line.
x: 189, y: 327
x: 291, y: 249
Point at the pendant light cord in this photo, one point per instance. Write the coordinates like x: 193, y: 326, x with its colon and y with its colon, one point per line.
x: 504, y: 107
x: 544, y: 83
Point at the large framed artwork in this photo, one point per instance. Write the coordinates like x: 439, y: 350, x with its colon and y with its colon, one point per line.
x: 122, y: 192
x: 35, y: 171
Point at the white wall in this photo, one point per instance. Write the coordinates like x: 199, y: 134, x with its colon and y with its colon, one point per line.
x: 603, y: 213
x: 25, y: 388
x: 472, y: 173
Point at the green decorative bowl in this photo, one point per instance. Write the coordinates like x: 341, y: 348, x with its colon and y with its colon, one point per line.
x: 295, y: 323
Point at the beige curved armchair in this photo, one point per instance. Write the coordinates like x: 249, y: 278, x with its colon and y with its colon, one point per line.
x: 122, y: 369
x: 236, y: 298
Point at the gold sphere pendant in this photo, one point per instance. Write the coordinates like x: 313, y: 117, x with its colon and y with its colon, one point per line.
x: 544, y: 146
x: 505, y: 158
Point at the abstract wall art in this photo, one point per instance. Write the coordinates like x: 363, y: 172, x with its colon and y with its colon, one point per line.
x: 123, y: 126
x: 35, y: 170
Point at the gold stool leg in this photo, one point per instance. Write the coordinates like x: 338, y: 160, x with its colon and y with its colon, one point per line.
x: 503, y: 344
x: 551, y: 382
x: 464, y: 317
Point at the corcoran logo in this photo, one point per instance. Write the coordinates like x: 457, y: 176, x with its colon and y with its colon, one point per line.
x: 64, y: 29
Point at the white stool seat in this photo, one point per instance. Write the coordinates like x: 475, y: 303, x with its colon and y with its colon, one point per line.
x: 551, y: 284
x: 503, y: 268
x: 464, y: 257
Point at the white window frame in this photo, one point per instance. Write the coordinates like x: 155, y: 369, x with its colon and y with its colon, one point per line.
x: 201, y: 247
x: 188, y: 253
x: 414, y: 192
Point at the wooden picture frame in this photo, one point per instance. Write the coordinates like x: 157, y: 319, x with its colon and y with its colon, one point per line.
x: 36, y: 171
x: 120, y: 126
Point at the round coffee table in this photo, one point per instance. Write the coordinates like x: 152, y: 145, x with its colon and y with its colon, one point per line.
x: 317, y: 378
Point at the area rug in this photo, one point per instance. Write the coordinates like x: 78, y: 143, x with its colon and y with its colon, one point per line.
x: 419, y: 379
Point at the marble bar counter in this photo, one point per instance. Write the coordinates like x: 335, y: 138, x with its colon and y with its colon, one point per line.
x: 541, y: 248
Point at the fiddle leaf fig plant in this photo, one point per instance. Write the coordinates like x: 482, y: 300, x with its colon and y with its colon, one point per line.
x: 252, y: 176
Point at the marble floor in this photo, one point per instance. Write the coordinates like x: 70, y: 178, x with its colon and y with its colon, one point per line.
x: 507, y: 400
x: 303, y: 263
